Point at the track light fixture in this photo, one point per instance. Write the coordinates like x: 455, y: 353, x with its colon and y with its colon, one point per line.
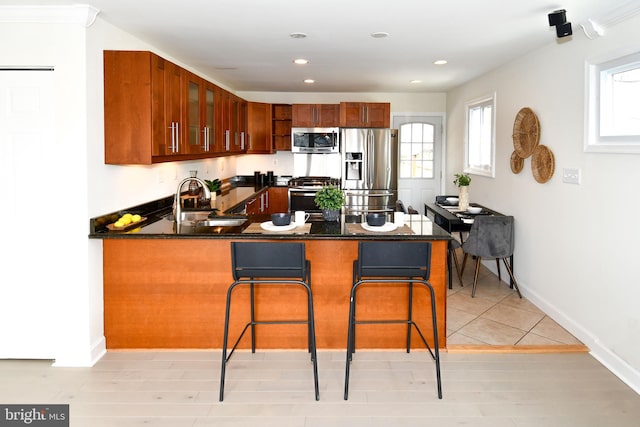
x: 558, y: 19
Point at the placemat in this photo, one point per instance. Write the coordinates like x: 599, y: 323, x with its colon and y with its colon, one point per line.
x: 357, y: 229
x: 256, y: 229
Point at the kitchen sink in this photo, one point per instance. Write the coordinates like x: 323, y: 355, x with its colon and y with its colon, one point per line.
x: 208, y: 218
x: 221, y: 222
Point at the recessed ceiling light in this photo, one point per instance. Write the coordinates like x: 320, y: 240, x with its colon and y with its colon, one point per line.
x: 309, y: 81
x: 379, y: 35
x: 301, y: 61
x: 415, y: 81
x: 297, y: 35
x: 440, y: 62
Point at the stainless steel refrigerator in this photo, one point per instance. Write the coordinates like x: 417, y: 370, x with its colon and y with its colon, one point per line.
x: 369, y: 169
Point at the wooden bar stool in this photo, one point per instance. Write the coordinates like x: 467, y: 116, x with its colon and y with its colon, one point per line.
x: 263, y: 263
x: 401, y: 263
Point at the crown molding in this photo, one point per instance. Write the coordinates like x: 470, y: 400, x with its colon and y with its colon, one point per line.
x: 80, y: 14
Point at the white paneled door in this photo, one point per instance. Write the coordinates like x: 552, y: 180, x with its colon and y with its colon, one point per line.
x: 27, y: 278
x: 420, y: 159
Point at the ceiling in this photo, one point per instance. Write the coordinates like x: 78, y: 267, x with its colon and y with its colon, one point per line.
x: 246, y: 44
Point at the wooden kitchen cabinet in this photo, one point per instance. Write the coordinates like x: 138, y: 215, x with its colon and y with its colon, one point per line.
x: 143, y: 114
x: 315, y: 115
x: 281, y: 126
x: 259, y: 204
x: 365, y: 114
x: 231, y: 123
x: 259, y: 128
x: 278, y: 199
x: 232, y: 120
x: 200, y: 115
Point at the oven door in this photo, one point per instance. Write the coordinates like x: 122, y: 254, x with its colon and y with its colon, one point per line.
x: 303, y: 200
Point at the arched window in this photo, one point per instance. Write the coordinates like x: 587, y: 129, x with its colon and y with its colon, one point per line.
x: 417, y: 150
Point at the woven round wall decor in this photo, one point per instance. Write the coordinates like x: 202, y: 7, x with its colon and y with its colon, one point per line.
x: 517, y: 163
x: 542, y: 163
x: 526, y: 132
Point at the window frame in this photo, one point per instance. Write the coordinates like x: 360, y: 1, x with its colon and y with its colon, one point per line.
x: 470, y: 105
x: 595, y: 71
x: 432, y: 160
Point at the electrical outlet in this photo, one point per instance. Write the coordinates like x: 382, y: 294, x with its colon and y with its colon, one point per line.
x: 571, y: 176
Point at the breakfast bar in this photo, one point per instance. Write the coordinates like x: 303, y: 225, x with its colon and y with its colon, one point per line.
x: 165, y: 286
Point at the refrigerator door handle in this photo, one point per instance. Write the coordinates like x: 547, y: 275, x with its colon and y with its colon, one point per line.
x: 371, y: 160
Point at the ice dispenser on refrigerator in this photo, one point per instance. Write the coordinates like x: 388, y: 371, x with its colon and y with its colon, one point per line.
x: 353, y: 166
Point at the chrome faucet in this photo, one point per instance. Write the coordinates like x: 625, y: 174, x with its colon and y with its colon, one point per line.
x: 177, y: 205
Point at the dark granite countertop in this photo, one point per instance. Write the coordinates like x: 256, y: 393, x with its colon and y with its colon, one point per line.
x: 159, y: 224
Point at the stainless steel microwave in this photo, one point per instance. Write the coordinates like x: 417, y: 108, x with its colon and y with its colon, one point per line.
x: 315, y: 140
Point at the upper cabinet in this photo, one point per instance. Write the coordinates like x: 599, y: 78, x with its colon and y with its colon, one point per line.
x: 200, y: 114
x: 156, y: 111
x: 365, y: 114
x: 259, y: 128
x: 281, y: 126
x: 315, y: 115
x: 231, y: 123
x: 142, y: 108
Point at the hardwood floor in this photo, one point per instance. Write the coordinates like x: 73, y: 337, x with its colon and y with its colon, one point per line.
x: 511, y: 387
x: 275, y: 388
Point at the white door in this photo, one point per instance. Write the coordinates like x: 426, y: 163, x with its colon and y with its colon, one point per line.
x: 420, y: 159
x: 27, y: 285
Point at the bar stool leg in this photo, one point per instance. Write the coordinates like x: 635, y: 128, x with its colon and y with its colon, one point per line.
x: 225, y: 339
x: 350, y: 340
x: 410, y: 316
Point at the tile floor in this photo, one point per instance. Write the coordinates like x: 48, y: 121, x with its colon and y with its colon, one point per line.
x: 497, y: 316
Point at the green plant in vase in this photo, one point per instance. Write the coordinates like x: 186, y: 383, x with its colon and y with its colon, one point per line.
x: 462, y: 180
x: 214, y: 186
x: 330, y: 199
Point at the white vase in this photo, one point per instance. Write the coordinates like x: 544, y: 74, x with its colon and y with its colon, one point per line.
x: 463, y: 197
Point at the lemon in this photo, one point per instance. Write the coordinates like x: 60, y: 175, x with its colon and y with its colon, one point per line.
x: 118, y: 224
x: 136, y: 218
x: 125, y: 220
x: 127, y: 215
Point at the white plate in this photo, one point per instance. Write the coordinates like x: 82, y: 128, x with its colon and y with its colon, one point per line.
x: 268, y: 225
x: 467, y: 220
x: 388, y: 226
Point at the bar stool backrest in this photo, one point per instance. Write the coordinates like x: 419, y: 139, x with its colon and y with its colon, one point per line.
x: 394, y: 259
x: 268, y: 259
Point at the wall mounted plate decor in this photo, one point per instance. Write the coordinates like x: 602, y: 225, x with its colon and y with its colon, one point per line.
x: 542, y: 164
x: 526, y: 132
x: 517, y: 163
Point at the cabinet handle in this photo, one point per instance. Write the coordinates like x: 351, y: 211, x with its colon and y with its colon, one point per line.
x: 250, y: 142
x: 177, y: 138
x: 175, y: 135
x: 242, y: 140
x: 205, y: 143
x: 227, y: 135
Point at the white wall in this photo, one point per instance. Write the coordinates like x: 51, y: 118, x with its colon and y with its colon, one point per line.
x: 57, y: 236
x: 575, y: 244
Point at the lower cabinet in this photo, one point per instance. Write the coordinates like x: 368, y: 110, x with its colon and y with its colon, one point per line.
x: 278, y: 199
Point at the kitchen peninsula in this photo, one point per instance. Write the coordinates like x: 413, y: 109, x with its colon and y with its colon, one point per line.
x: 165, y: 287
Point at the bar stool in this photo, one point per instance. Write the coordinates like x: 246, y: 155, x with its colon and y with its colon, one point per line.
x: 402, y: 263
x: 264, y: 263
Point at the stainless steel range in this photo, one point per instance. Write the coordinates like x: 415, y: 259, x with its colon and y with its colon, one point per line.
x: 302, y: 191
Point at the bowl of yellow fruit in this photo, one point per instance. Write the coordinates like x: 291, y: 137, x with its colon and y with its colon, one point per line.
x: 126, y: 221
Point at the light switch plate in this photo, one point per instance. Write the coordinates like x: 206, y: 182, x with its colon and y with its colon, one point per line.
x: 571, y: 176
